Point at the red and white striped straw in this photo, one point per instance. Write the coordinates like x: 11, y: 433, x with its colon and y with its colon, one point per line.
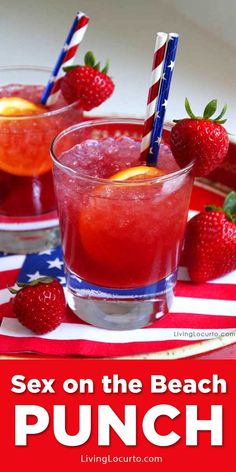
x: 156, y: 77
x: 66, y: 58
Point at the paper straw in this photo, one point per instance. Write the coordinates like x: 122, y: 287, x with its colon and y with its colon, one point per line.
x: 157, y: 69
x: 162, y: 98
x: 65, y: 58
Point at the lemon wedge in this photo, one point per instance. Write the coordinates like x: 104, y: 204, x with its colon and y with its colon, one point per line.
x: 137, y: 173
x: 15, y: 106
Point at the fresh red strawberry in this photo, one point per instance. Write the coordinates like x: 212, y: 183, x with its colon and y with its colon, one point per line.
x: 87, y: 83
x: 202, y: 139
x: 40, y: 304
x: 210, y: 244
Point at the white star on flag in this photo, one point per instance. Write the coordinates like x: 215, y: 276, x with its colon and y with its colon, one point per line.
x: 157, y: 115
x: 34, y: 276
x: 165, y: 103
x: 163, y: 76
x: 150, y: 150
x: 57, y: 264
x: 171, y: 65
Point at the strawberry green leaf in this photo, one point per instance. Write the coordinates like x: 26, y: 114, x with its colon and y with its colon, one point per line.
x: 33, y: 283
x: 188, y: 109
x: 12, y: 290
x: 97, y: 66
x: 210, y: 109
x: 106, y: 67
x: 69, y: 68
x: 230, y: 206
x: 213, y: 208
x: 40, y: 280
x: 230, y: 216
x: 89, y: 59
x: 220, y: 122
x: 221, y: 114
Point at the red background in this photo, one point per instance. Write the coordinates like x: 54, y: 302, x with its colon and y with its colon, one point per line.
x: 45, y: 453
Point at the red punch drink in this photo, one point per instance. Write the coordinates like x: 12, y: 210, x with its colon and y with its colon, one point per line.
x: 122, y: 223
x: 28, y: 219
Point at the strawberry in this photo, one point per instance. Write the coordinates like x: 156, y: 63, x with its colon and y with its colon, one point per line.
x: 202, y: 139
x: 40, y: 304
x: 87, y: 83
x: 210, y: 244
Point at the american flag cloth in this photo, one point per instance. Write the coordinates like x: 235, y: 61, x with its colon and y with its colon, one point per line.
x: 200, y: 311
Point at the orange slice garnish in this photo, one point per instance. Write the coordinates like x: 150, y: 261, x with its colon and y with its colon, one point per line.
x: 137, y: 173
x: 16, y: 106
x: 24, y: 143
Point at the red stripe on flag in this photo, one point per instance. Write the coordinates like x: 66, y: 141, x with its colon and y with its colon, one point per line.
x: 8, y: 278
x: 82, y: 347
x: 207, y: 290
x: 194, y: 321
x: 179, y: 322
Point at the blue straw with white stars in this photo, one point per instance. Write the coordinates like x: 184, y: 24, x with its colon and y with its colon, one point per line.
x: 162, y: 99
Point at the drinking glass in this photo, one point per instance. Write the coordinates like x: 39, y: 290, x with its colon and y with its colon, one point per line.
x: 28, y: 217
x: 121, y: 239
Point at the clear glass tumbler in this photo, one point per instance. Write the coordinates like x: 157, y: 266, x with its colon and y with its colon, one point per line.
x: 28, y: 217
x: 121, y: 239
